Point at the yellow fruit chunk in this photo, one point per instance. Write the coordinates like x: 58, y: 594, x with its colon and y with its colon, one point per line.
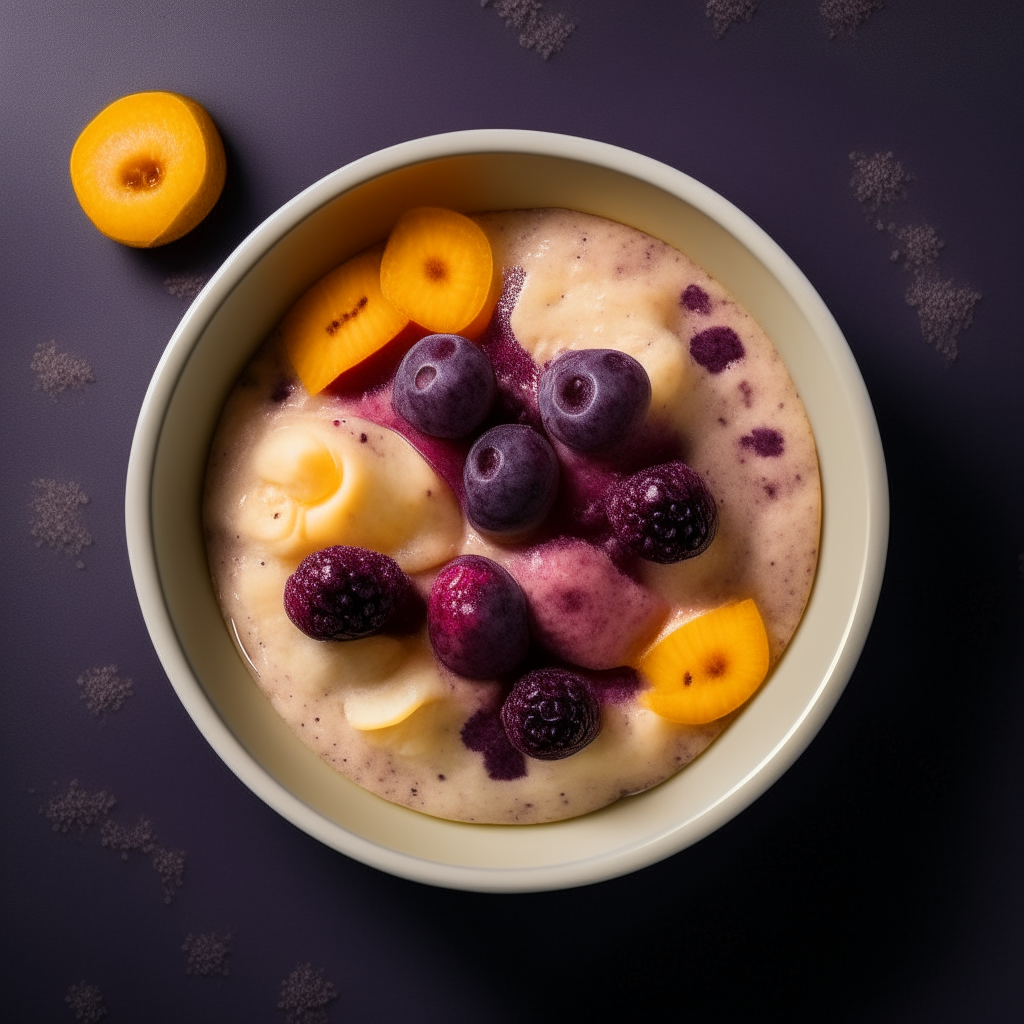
x: 341, y: 321
x: 438, y: 270
x: 709, y: 666
x: 148, y: 168
x: 355, y: 483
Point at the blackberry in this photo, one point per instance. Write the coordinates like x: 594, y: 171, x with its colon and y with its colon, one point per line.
x: 664, y: 513
x: 551, y: 713
x: 344, y: 593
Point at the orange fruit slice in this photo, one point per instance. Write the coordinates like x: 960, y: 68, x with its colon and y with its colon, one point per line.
x: 707, y: 667
x: 148, y: 168
x: 439, y: 271
x: 341, y: 321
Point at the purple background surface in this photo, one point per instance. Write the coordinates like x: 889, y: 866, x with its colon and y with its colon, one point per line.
x: 880, y: 878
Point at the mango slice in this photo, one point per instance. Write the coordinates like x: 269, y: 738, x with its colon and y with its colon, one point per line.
x: 148, y: 168
x: 341, y: 321
x: 439, y: 271
x: 707, y: 667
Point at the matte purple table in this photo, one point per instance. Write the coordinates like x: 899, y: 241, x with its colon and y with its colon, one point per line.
x: 880, y: 878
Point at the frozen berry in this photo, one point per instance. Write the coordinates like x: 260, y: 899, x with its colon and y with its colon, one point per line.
x: 511, y: 479
x: 444, y: 386
x: 664, y: 513
x: 343, y: 593
x: 476, y: 618
x: 551, y: 713
x: 593, y: 398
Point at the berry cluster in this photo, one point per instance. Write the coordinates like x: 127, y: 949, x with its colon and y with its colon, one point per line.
x: 593, y: 402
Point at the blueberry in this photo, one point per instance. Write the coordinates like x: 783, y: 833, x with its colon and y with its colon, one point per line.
x: 343, y: 593
x: 664, y: 513
x: 593, y: 398
x: 444, y: 386
x: 551, y: 713
x: 511, y: 479
x: 476, y: 618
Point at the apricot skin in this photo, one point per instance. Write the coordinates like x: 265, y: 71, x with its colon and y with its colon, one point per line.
x: 148, y: 168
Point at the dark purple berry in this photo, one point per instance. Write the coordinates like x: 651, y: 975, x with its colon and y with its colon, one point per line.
x: 444, y: 386
x: 716, y: 348
x: 551, y: 713
x: 592, y: 399
x: 695, y: 299
x: 344, y: 593
x: 511, y: 479
x: 476, y: 618
x: 664, y: 513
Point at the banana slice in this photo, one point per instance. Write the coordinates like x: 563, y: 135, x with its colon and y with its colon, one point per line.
x: 377, y: 705
x: 349, y: 482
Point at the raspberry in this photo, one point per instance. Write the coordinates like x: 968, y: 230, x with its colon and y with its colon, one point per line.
x: 551, y: 713
x: 664, y: 513
x: 343, y: 593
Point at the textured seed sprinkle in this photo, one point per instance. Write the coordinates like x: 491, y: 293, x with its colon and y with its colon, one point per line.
x: 185, y: 286
x: 919, y: 245
x: 56, y: 372
x: 78, y: 808
x: 170, y: 866
x: 104, y: 690
x: 304, y: 994
x: 207, y: 954
x: 726, y: 13
x: 847, y: 16
x: 539, y: 30
x: 56, y: 517
x: 878, y: 180
x: 944, y: 308
x: 86, y: 1002
x: 137, y: 838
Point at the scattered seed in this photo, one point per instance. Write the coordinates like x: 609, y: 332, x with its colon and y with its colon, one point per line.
x: 539, y: 30
x: 878, y: 180
x: 138, y: 838
x: 86, y: 1003
x: 104, y: 690
x: 56, y: 517
x: 185, y: 286
x: 170, y: 866
x: 944, y: 308
x: 304, y: 994
x: 206, y: 954
x: 726, y: 13
x: 56, y: 372
x: 78, y: 808
x: 847, y: 15
x: 919, y: 245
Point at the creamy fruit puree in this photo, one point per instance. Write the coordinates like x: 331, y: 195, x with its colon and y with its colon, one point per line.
x: 290, y: 474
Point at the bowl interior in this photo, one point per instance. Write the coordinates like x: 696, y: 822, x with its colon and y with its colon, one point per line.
x: 337, y: 218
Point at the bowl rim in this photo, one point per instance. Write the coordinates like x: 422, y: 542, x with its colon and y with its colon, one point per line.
x: 145, y: 572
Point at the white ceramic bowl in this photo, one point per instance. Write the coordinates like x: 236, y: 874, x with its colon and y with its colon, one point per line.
x: 336, y: 218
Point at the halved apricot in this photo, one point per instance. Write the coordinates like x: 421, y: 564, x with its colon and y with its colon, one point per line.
x: 439, y: 271
x: 148, y: 168
x: 342, y: 320
x: 709, y: 666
